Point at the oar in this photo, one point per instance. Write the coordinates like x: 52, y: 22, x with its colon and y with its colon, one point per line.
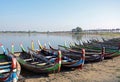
x: 23, y: 50
x: 31, y: 55
x: 40, y: 56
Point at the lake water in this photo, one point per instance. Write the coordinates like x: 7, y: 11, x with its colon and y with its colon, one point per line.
x: 55, y: 39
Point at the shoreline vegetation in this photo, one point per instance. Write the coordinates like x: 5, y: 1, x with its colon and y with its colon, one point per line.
x: 67, y: 32
x: 77, y: 30
x: 85, y: 31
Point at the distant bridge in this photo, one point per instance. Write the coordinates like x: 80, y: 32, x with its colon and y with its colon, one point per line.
x: 103, y: 30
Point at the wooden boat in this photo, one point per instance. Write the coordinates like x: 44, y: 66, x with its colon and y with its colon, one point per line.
x: 90, y: 56
x: 109, y: 42
x: 66, y: 61
x: 9, y: 67
x: 34, y: 63
x: 70, y: 63
x: 97, y: 46
x: 108, y: 53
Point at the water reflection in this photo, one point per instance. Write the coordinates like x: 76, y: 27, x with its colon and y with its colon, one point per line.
x: 55, y: 39
x: 77, y: 37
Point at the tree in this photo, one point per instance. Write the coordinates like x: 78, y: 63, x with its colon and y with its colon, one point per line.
x: 73, y: 30
x: 77, y: 30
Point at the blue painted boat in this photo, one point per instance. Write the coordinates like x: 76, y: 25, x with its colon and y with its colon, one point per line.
x: 9, y: 67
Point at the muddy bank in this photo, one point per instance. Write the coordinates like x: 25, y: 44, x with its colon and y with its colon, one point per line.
x: 105, y: 71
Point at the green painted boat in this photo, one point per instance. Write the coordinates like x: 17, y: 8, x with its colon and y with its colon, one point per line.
x: 108, y: 53
x: 34, y: 63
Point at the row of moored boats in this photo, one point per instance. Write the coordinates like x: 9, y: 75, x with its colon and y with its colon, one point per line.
x: 51, y: 60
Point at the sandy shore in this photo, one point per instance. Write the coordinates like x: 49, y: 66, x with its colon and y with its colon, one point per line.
x: 105, y: 71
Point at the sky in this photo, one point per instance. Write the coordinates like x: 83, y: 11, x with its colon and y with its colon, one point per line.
x: 58, y: 15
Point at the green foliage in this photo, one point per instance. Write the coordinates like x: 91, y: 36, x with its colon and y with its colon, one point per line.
x: 77, y: 30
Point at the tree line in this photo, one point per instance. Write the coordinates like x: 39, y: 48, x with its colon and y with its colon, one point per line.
x: 77, y: 30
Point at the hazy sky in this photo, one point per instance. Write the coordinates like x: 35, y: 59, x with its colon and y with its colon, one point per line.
x: 54, y: 15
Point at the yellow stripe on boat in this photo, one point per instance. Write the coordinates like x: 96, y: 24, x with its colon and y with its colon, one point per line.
x: 3, y: 63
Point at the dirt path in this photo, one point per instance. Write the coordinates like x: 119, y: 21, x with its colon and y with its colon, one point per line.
x: 105, y: 71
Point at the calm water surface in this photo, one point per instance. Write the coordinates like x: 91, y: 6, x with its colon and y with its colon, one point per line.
x: 55, y: 39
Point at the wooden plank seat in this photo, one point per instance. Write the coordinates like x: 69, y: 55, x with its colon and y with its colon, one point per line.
x: 28, y: 59
x: 40, y: 64
x: 5, y: 66
x: 3, y: 63
x: 5, y: 70
x: 34, y: 62
x: 48, y: 57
